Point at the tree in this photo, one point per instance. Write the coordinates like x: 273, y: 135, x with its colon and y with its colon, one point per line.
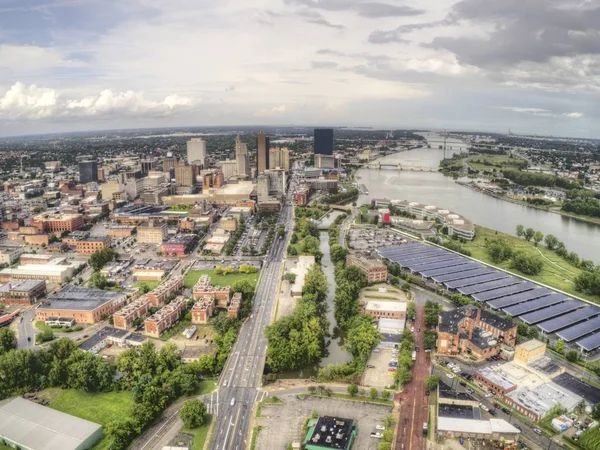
x: 45, y: 336
x: 291, y: 277
x: 537, y: 237
x: 193, y: 413
x: 498, y: 249
x: 528, y: 264
x: 529, y: 232
x: 520, y: 231
x: 403, y: 375
x: 338, y: 253
x: 572, y: 356
x: 120, y: 433
x: 431, y: 382
x: 385, y: 395
x: 98, y: 280
x: 292, y: 251
x: 551, y: 241
x: 144, y: 288
x: 8, y: 340
x: 353, y: 390
x: 373, y: 392
x: 559, y: 347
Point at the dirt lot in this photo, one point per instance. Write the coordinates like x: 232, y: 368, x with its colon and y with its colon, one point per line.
x: 282, y: 423
x: 379, y: 377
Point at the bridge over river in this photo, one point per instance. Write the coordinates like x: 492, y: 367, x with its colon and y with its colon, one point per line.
x: 401, y: 166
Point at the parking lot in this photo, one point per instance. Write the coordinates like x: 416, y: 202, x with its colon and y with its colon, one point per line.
x: 365, y: 238
x: 379, y: 376
x: 282, y: 423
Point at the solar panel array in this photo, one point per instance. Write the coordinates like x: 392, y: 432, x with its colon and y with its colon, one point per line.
x: 558, y: 323
x: 549, y: 313
x: 580, y: 330
x: 590, y: 343
x: 552, y: 312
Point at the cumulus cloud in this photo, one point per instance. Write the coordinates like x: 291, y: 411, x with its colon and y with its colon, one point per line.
x: 574, y: 115
x: 364, y: 8
x: 33, y: 102
x: 273, y: 111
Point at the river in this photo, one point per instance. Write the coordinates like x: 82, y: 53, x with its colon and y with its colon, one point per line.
x: 436, y: 189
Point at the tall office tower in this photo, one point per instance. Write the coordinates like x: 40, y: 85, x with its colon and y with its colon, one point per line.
x: 262, y: 187
x: 169, y: 163
x: 285, y: 158
x: 323, y: 141
x: 88, y: 171
x: 185, y: 175
x: 196, y: 151
x: 275, y: 157
x: 262, y: 152
x: 241, y: 157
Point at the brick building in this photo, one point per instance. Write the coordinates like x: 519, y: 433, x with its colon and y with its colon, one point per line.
x: 137, y: 309
x: 121, y: 232
x: 302, y: 194
x: 57, y: 223
x: 203, y: 288
x: 180, y: 245
x: 472, y: 330
x: 22, y: 293
x: 36, y: 239
x: 373, y: 269
x: 386, y: 310
x: 494, y: 382
x: 164, y: 318
x: 530, y: 350
x: 203, y: 310
x: 92, y: 245
x: 85, y: 305
x: 234, y: 308
x: 160, y: 294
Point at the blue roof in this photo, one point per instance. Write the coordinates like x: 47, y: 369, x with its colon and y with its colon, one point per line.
x: 534, y: 305
x: 552, y: 325
x: 503, y: 292
x: 551, y: 312
x: 489, y: 276
x: 579, y: 330
x: 491, y: 285
x: 519, y: 297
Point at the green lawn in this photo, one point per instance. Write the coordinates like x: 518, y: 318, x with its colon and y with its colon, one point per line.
x: 199, y: 434
x: 100, y: 408
x: 192, y: 277
x: 491, y: 162
x: 355, y: 398
x: 556, y: 272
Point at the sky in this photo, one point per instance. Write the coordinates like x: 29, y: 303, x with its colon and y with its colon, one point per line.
x: 531, y: 66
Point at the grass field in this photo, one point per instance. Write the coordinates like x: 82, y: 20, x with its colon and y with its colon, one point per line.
x: 556, y: 272
x: 100, y: 408
x: 199, y: 434
x: 192, y: 276
x: 491, y: 162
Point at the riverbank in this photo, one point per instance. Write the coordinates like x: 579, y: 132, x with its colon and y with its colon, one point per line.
x: 581, y: 218
x: 556, y: 272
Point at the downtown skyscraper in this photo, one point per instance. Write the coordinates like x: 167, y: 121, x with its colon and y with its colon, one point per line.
x: 262, y: 152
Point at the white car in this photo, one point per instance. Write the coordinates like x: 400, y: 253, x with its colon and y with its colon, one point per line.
x: 450, y: 375
x: 488, y: 395
x: 451, y: 365
x: 482, y: 406
x: 379, y: 427
x: 456, y: 369
x: 376, y: 435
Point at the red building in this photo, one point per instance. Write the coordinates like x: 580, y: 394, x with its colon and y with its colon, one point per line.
x: 180, y: 245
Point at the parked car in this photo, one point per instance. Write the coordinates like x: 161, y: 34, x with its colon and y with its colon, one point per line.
x: 371, y: 366
x: 379, y: 427
x: 485, y: 408
x: 469, y: 391
x: 450, y: 375
x: 537, y: 431
x: 393, y: 364
x: 506, y: 410
x: 489, y: 395
x: 463, y: 383
x: 456, y: 369
x: 377, y: 435
x: 493, y: 412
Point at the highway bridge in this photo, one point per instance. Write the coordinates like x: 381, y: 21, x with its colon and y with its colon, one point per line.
x: 400, y: 166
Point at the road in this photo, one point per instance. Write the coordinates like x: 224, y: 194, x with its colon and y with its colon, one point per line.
x: 346, y: 226
x: 413, y: 401
x: 242, y: 375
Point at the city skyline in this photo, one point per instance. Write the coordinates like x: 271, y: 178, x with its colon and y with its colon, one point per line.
x: 527, y: 66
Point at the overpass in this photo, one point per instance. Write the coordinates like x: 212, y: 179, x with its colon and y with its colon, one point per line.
x: 400, y: 166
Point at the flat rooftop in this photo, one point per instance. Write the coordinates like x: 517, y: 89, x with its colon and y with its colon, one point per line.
x: 543, y: 398
x: 331, y: 432
x: 26, y: 285
x: 496, y: 378
x: 532, y: 344
x: 38, y: 427
x: 391, y: 306
x: 457, y: 425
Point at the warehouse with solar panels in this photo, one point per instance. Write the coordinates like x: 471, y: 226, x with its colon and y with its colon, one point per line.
x: 572, y: 320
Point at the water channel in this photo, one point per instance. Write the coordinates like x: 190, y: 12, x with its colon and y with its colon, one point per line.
x: 436, y: 189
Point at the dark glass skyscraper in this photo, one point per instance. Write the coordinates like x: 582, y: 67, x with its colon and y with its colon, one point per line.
x: 323, y: 142
x: 88, y: 171
x: 262, y: 152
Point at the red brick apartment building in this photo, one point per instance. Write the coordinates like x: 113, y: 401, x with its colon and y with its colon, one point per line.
x: 165, y: 317
x: 160, y: 294
x: 92, y: 245
x: 472, y: 330
x: 57, y: 223
x: 124, y: 318
x: 234, y: 308
x: 203, y: 310
x: 373, y: 269
x: 22, y: 292
x: 203, y: 288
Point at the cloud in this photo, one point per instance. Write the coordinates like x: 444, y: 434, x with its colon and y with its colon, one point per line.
x: 541, y: 112
x: 318, y: 19
x: 230, y: 88
x: 323, y: 64
x: 273, y: 111
x: 398, y: 33
x: 27, y: 58
x: 573, y: 115
x: 364, y: 8
x: 33, y: 102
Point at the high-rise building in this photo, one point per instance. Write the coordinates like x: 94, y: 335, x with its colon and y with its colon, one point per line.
x: 196, y: 151
x: 241, y: 157
x: 169, y: 163
x: 147, y: 165
x: 262, y: 152
x: 262, y: 187
x: 185, y: 175
x: 279, y: 158
x: 285, y: 158
x: 323, y: 141
x: 88, y: 171
x: 229, y: 168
